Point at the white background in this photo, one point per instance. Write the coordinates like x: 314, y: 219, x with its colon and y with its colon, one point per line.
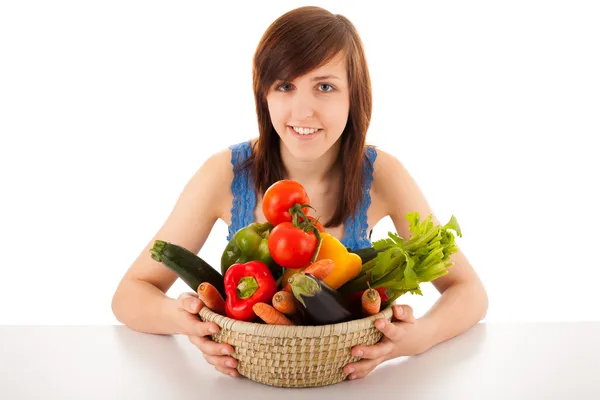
x: 107, y: 109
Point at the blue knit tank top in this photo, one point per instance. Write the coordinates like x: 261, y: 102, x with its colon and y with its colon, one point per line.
x: 244, y: 199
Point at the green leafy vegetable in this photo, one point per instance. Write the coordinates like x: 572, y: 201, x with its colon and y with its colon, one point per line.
x: 403, y: 264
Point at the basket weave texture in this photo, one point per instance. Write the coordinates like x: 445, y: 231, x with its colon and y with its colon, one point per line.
x: 295, y: 356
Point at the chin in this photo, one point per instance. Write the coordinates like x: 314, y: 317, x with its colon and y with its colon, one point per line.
x: 306, y: 154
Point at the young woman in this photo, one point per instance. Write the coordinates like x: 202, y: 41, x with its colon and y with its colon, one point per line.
x: 313, y: 101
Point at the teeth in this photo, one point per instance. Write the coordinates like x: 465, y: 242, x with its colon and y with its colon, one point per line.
x: 304, y: 131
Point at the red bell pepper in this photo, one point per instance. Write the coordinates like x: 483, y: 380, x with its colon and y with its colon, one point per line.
x: 245, y: 285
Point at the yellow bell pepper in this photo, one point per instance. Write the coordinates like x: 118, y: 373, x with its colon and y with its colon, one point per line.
x: 346, y: 265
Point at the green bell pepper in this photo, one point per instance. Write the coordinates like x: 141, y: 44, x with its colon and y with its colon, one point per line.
x: 250, y: 243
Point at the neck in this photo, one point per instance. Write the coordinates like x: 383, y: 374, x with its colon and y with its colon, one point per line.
x: 311, y: 173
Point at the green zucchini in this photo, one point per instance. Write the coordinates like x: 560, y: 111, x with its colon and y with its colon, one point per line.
x: 192, y: 269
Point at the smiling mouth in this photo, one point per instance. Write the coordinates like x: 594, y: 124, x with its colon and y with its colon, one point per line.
x: 305, y: 131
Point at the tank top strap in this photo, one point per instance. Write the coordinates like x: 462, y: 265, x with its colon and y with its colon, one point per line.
x: 242, y: 188
x: 355, y: 227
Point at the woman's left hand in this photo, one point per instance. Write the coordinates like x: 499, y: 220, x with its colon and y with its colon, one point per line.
x: 404, y: 336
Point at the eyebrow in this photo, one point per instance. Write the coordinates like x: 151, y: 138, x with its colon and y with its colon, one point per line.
x: 324, y: 77
x: 316, y: 78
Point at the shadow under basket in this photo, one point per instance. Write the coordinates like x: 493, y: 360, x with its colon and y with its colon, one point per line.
x: 295, y: 356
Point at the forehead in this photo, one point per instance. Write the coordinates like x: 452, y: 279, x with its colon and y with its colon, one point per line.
x: 336, y: 66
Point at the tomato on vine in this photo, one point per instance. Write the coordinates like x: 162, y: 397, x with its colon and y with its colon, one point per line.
x: 294, y: 241
x: 280, y: 197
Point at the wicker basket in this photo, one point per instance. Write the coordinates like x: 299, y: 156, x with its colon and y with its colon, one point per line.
x: 295, y: 356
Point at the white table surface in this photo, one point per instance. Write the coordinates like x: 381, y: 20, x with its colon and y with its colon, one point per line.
x: 490, y: 361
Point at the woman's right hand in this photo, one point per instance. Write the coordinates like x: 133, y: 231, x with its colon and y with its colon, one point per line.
x: 198, y: 332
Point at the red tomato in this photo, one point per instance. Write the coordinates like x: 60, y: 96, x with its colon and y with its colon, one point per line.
x: 280, y: 197
x: 291, y: 247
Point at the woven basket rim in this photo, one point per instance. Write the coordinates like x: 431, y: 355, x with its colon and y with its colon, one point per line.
x: 305, y: 331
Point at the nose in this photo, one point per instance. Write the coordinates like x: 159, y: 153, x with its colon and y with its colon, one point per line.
x: 303, y: 106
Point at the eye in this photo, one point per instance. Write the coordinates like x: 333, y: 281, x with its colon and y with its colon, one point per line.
x: 326, y: 85
x: 286, y: 85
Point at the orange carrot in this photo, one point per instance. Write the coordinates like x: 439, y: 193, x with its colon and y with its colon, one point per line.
x: 211, y: 297
x: 270, y: 315
x: 319, y: 269
x: 284, y: 302
x: 370, y: 301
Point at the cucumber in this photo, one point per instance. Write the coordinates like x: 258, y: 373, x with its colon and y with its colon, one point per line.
x: 192, y: 269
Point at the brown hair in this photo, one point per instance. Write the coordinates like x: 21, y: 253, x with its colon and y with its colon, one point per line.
x: 296, y: 43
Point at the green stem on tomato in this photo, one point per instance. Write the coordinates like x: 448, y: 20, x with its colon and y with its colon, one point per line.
x: 319, y: 241
x: 297, y: 212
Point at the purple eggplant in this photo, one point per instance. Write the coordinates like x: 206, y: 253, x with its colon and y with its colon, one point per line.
x: 319, y: 304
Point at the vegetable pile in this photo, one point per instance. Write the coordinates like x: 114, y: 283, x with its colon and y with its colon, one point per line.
x: 289, y: 271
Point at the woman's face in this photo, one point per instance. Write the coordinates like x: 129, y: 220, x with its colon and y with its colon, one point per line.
x: 310, y: 113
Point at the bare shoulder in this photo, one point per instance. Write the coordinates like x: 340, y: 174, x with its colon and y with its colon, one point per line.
x: 217, y: 171
x: 212, y: 182
x: 397, y: 190
x: 209, y: 185
x: 387, y: 165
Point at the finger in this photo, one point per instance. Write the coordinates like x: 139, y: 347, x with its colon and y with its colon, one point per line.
x: 361, y: 368
x: 223, y: 362
x: 189, y: 302
x: 229, y: 371
x: 191, y: 325
x: 210, y: 347
x: 403, y: 312
x: 379, y: 350
x: 389, y: 329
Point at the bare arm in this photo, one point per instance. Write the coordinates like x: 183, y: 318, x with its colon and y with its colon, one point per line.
x: 463, y: 300
x: 140, y: 301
